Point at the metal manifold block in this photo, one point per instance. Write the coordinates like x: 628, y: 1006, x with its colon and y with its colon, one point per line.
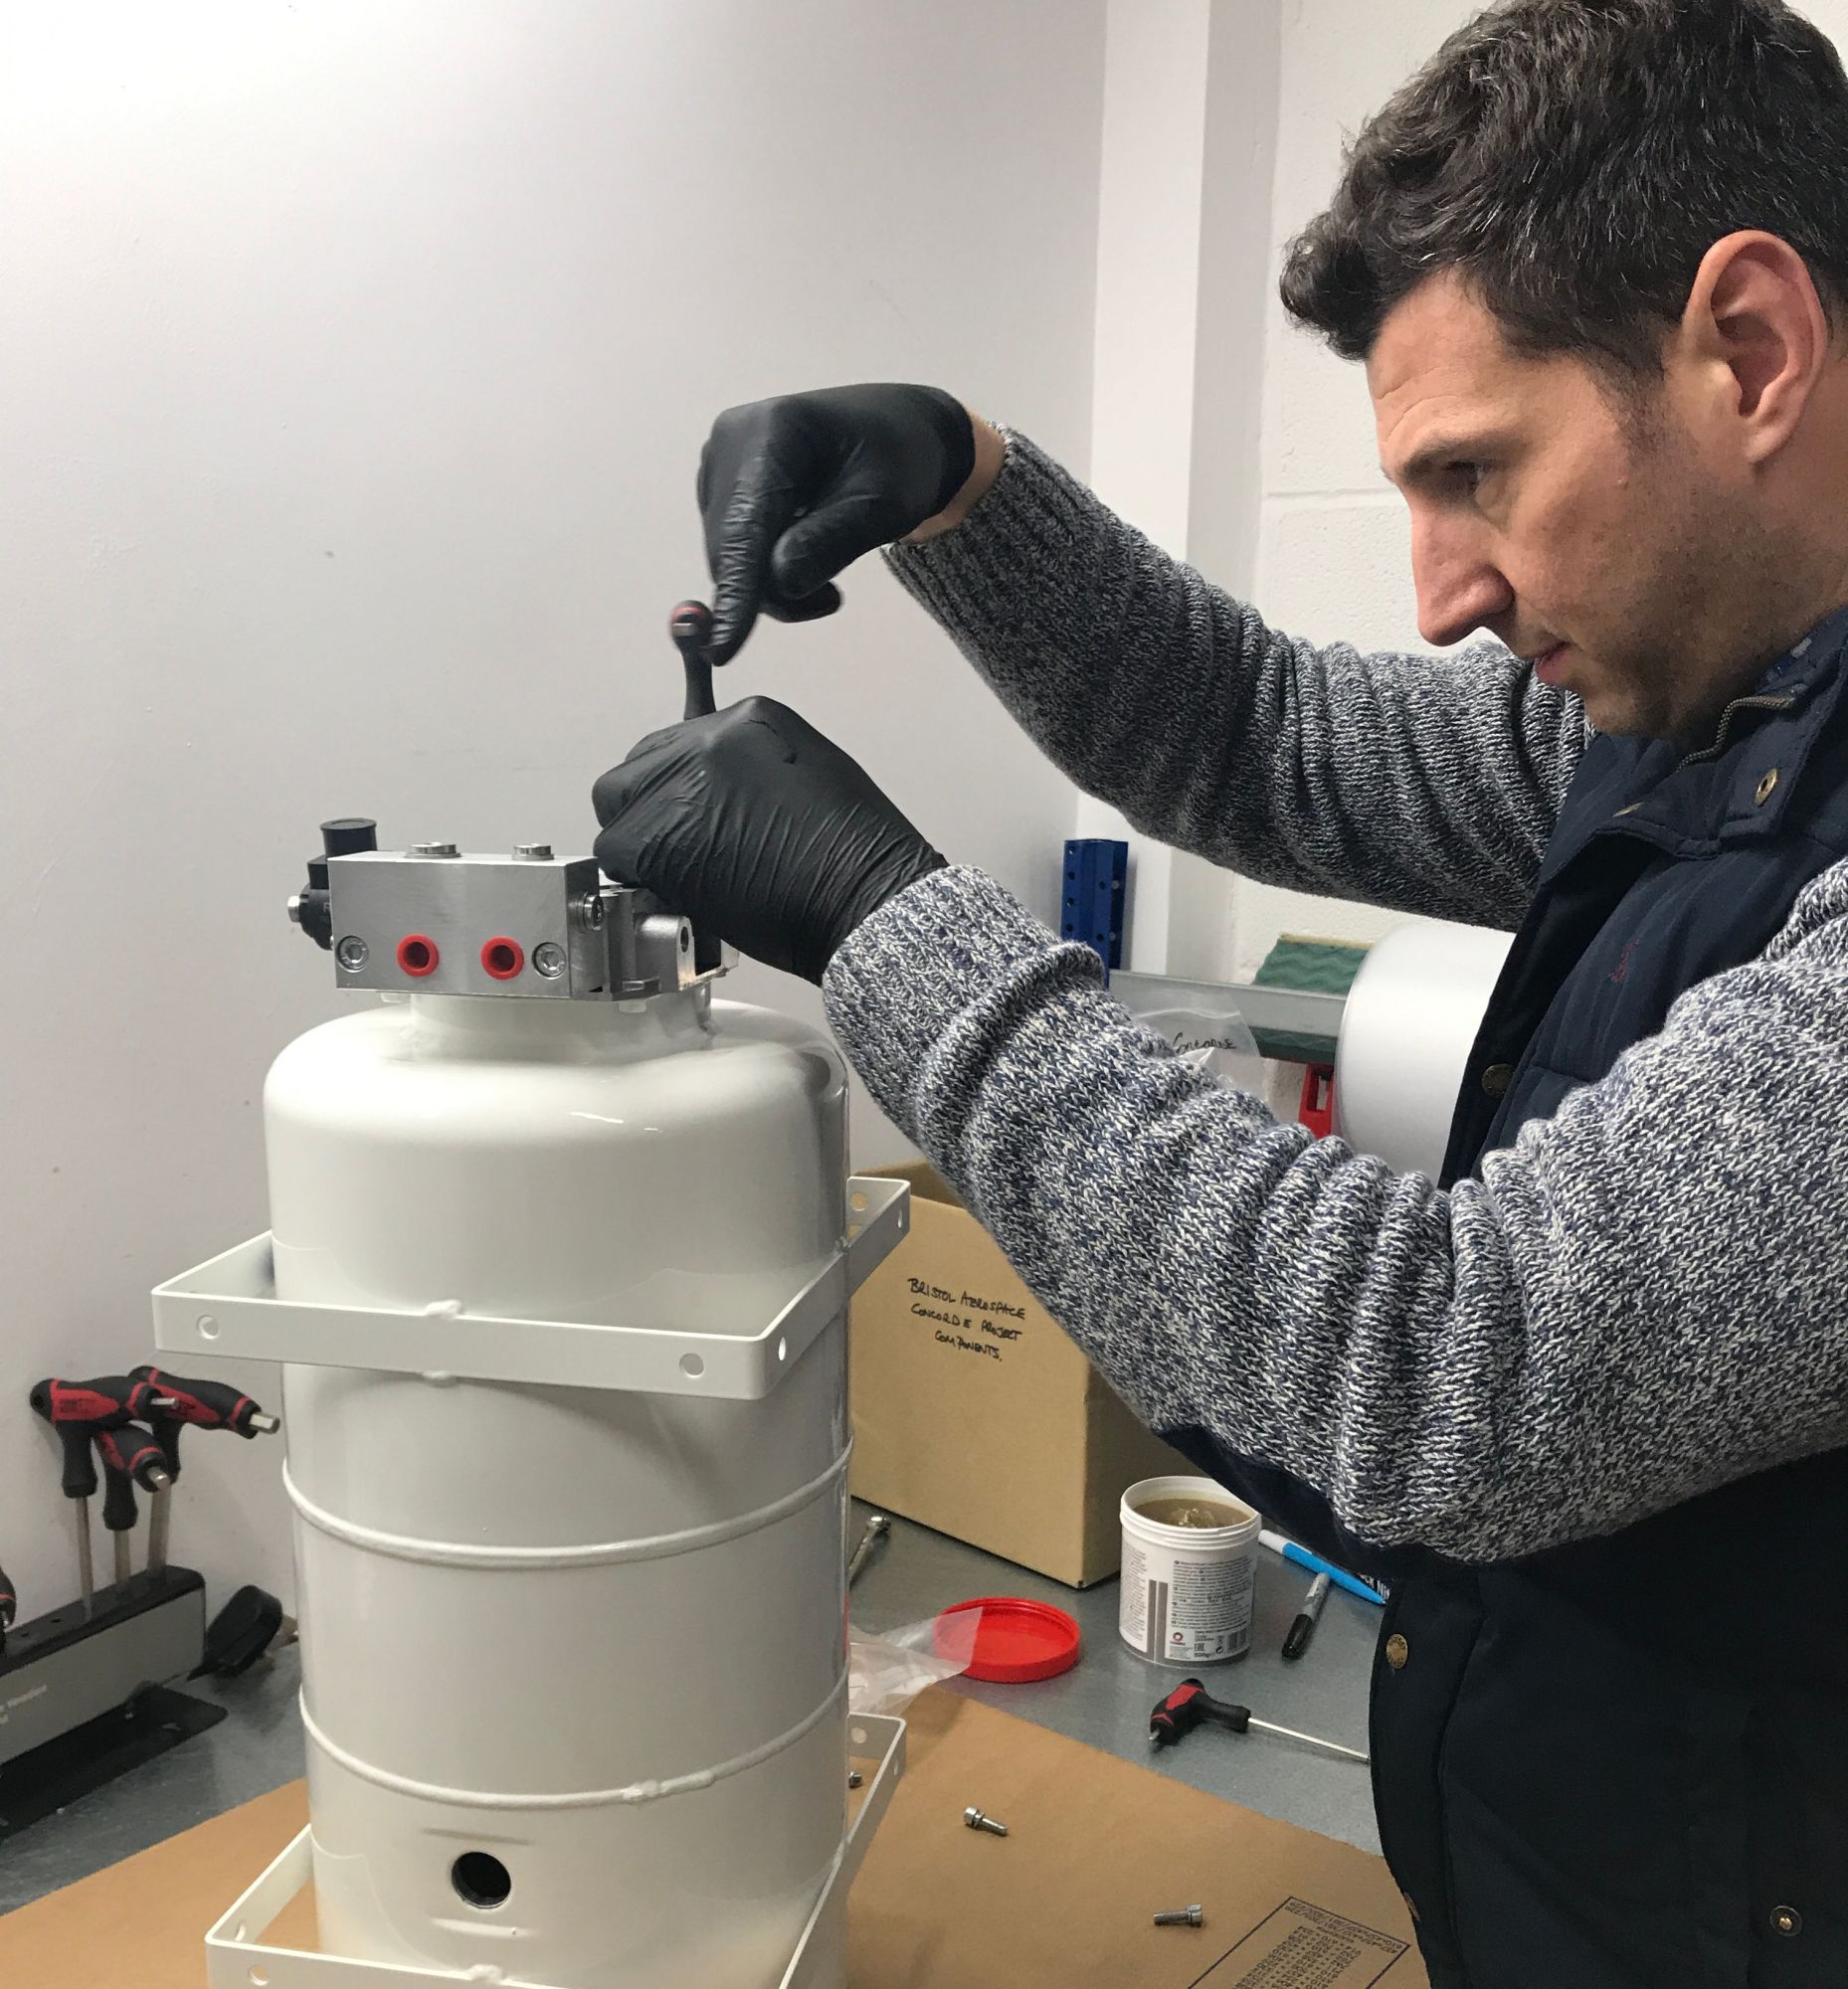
x: 435, y: 920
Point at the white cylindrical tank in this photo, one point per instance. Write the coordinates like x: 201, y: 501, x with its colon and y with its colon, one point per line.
x: 1407, y: 1030
x: 574, y: 1659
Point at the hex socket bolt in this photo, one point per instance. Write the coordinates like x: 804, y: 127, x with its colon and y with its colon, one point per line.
x: 974, y: 1818
x: 1186, y: 1916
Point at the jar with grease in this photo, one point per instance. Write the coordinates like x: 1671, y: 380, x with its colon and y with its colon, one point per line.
x: 1189, y: 1567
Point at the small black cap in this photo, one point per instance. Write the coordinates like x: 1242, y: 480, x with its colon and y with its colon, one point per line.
x: 240, y: 1633
x: 349, y: 835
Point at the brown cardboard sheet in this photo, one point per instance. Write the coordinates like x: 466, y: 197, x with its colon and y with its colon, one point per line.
x: 1096, y: 1847
x: 142, y: 1922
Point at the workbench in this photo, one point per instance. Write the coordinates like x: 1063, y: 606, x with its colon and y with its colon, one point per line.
x: 1103, y: 1701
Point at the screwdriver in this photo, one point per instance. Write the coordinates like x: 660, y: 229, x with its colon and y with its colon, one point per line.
x: 690, y: 626
x: 175, y: 1401
x: 80, y: 1411
x: 1191, y: 1703
x: 130, y: 1457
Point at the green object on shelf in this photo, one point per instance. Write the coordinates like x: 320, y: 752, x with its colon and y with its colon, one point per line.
x: 1311, y: 966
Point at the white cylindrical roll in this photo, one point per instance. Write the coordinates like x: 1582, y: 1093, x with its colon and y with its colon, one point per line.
x: 1405, y: 1035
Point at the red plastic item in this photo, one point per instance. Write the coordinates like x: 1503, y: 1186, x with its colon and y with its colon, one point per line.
x: 1019, y: 1641
x: 1317, y: 1110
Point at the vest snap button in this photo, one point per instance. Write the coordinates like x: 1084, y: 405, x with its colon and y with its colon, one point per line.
x: 1787, y: 1920
x: 1497, y: 1078
x: 1762, y: 793
x: 1397, y: 1651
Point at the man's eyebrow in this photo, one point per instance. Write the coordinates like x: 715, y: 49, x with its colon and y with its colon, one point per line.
x: 1438, y: 454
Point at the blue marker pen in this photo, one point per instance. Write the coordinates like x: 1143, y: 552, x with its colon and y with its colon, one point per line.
x: 1354, y: 1585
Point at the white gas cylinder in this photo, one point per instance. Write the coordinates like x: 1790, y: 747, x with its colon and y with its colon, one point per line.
x: 574, y: 1659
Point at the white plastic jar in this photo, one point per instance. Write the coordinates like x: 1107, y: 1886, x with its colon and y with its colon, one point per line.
x: 1187, y: 1583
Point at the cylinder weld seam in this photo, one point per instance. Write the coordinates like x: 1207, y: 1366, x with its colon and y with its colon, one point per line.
x: 628, y: 1796
x: 658, y: 1546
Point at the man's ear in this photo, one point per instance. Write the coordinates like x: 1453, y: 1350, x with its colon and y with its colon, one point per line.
x: 1757, y: 333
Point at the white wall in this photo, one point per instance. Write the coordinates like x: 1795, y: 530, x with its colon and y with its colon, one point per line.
x: 1233, y: 439
x: 1333, y: 555
x: 1189, y: 134
x: 354, y: 360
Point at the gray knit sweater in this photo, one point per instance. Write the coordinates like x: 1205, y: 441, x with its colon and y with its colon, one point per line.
x: 1641, y: 1299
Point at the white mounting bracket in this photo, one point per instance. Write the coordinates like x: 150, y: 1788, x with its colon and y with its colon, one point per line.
x: 236, y: 1954
x: 229, y: 1306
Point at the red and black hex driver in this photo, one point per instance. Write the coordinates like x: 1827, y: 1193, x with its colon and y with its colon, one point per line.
x: 174, y: 1403
x: 1191, y: 1703
x: 80, y: 1411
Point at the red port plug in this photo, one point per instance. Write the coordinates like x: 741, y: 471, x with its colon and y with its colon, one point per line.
x: 503, y: 957
x: 416, y: 955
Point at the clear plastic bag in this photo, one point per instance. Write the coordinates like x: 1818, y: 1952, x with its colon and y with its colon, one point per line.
x: 1217, y: 1040
x: 885, y: 1672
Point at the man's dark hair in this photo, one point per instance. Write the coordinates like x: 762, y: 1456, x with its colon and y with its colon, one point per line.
x: 1573, y: 162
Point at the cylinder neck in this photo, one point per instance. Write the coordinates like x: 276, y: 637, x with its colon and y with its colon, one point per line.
x: 564, y: 1031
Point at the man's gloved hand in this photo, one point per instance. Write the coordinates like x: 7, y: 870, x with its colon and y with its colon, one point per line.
x: 793, y: 490
x: 760, y: 830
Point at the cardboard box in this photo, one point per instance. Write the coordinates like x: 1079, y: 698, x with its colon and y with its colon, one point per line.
x: 976, y: 1414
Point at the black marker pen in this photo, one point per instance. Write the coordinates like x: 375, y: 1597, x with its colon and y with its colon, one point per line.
x: 1297, y: 1642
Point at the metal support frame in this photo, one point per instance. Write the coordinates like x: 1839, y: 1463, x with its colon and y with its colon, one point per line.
x: 229, y: 1306
x: 236, y: 1954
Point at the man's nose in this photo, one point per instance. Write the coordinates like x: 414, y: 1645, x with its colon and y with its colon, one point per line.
x: 1459, y: 589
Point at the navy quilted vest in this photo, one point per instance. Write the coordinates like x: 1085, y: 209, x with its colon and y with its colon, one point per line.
x: 1625, y: 1764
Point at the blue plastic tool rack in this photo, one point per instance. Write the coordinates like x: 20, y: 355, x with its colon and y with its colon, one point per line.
x: 1096, y: 874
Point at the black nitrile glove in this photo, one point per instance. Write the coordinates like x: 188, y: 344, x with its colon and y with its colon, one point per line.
x: 793, y: 490
x: 760, y: 830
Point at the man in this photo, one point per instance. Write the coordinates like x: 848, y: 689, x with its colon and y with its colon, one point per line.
x: 1584, y: 1401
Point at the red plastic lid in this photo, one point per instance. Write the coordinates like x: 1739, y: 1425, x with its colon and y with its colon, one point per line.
x: 1019, y: 1641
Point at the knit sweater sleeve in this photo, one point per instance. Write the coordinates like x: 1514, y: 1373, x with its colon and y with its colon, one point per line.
x: 1640, y: 1301
x: 1429, y: 784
